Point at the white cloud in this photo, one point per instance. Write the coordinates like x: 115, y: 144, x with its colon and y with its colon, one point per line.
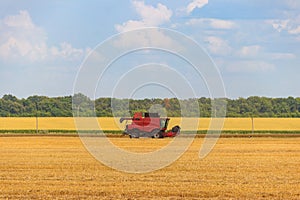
x: 295, y: 30
x: 292, y: 4
x: 22, y: 20
x: 130, y: 25
x: 15, y: 48
x: 213, y: 23
x: 221, y: 24
x: 195, y: 4
x: 282, y: 56
x: 279, y: 25
x: 257, y: 52
x: 153, y: 37
x: 250, y: 66
x: 291, y: 25
x: 250, y: 51
x: 218, y: 46
x: 150, y: 16
x: 66, y: 51
x: 22, y: 40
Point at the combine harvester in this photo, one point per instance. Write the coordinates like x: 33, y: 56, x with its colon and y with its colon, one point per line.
x: 149, y: 125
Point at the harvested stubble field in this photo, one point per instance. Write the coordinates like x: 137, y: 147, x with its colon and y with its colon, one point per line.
x: 237, y: 168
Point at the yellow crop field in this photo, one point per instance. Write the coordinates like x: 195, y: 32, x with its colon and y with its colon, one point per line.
x: 67, y: 123
x: 237, y: 168
x: 246, y: 123
x: 51, y: 123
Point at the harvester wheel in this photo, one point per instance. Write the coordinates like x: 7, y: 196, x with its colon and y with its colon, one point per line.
x: 135, y: 133
x: 176, y: 129
x: 156, y: 133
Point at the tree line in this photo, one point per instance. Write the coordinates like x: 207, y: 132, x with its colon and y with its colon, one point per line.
x: 43, y: 106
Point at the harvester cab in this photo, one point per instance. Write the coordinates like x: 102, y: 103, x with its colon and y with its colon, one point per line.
x: 149, y: 125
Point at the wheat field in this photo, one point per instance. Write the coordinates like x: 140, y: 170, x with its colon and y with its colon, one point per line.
x: 67, y: 123
x: 237, y: 168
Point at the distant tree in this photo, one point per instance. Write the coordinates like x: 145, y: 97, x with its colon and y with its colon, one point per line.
x: 9, y: 97
x: 105, y: 107
x: 83, y: 106
x: 166, y: 103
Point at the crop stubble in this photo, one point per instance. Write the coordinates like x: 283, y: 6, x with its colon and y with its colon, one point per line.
x: 237, y: 168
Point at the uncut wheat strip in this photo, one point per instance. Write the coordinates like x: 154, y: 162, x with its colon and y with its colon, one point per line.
x: 109, y: 123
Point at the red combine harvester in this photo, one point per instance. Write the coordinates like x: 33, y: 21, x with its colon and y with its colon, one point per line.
x: 149, y: 125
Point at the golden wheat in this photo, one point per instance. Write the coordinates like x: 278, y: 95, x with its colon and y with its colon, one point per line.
x: 107, y: 123
x: 237, y: 168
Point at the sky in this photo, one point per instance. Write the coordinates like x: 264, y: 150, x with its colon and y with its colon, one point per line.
x: 253, y: 43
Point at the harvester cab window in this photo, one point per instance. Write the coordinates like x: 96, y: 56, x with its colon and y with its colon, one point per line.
x: 162, y: 123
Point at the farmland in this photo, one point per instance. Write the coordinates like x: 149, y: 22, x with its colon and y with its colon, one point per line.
x: 107, y: 123
x: 36, y: 167
x: 237, y: 168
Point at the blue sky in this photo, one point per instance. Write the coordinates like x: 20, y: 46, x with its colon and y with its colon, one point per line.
x: 255, y: 44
